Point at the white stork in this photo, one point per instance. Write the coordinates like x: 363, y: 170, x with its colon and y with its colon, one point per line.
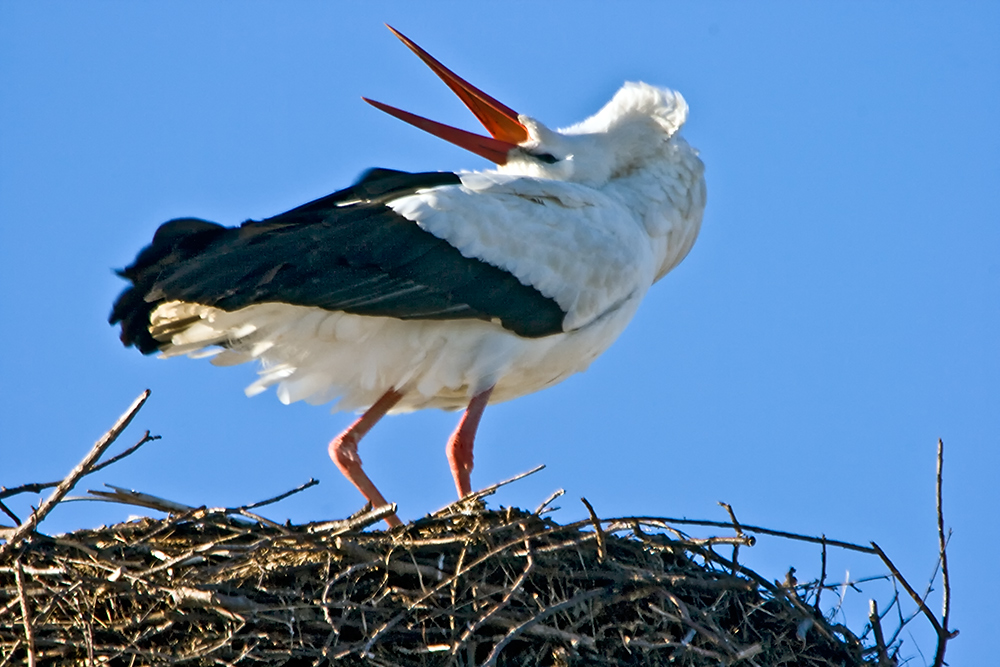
x: 444, y: 290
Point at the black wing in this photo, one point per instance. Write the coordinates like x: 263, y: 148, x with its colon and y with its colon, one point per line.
x: 347, y: 252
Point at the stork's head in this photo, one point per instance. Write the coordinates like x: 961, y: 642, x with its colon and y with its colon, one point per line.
x: 631, y: 131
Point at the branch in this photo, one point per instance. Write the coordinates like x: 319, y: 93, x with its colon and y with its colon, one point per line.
x: 534, y: 620
x: 36, y: 487
x: 944, y: 635
x: 125, y: 496
x: 739, y: 532
x: 822, y: 575
x: 548, y: 501
x: 876, y: 621
x: 269, y: 501
x: 514, y: 589
x: 131, y: 450
x: 601, y: 549
x: 6, y: 510
x: 660, y: 521
x: 488, y: 491
x: 81, y: 469
x: 359, y: 521
x: 909, y: 589
x: 29, y: 633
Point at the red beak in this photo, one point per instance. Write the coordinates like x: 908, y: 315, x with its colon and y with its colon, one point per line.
x: 500, y: 120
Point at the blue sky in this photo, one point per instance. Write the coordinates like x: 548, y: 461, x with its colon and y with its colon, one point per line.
x: 839, y: 313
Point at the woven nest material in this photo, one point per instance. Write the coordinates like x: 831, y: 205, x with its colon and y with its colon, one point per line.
x: 466, y: 586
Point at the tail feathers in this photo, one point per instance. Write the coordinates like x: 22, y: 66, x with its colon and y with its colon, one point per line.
x: 174, y: 242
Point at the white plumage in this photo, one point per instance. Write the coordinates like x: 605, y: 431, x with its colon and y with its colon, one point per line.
x: 593, y: 231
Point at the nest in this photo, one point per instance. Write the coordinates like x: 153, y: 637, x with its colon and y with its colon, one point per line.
x: 464, y: 586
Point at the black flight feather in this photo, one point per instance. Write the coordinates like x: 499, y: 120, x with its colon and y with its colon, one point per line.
x: 346, y: 252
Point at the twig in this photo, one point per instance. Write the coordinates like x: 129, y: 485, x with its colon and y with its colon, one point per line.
x: 687, y: 620
x: 940, y: 627
x: 943, y: 551
x: 138, y: 499
x: 903, y: 622
x: 558, y: 546
x: 661, y: 521
x: 465, y: 567
x: 259, y: 519
x: 548, y: 632
x: 6, y: 510
x: 732, y: 517
x: 356, y: 522
x: 29, y: 633
x: 548, y: 611
x: 514, y: 590
x: 876, y: 621
x: 909, y: 589
x: 822, y: 575
x: 131, y: 497
x: 737, y: 541
x: 203, y: 651
x: 35, y: 487
x: 488, y: 491
x: 687, y: 646
x: 601, y: 549
x: 131, y: 450
x: 739, y: 531
x: 548, y: 501
x: 946, y: 594
x: 74, y: 476
x: 270, y: 501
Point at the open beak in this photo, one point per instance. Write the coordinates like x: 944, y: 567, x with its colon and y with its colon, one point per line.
x: 500, y: 120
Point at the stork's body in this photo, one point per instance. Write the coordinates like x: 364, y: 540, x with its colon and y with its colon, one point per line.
x: 409, y: 291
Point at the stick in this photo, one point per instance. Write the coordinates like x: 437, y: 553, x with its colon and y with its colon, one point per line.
x: 548, y: 611
x: 74, y: 476
x: 945, y: 580
x: 269, y: 501
x: 450, y: 581
x: 548, y: 501
x: 601, y: 550
x: 732, y: 517
x: 739, y: 532
x: 909, y: 589
x: 850, y: 546
x: 6, y: 510
x: 488, y: 491
x: 125, y: 496
x: 131, y: 450
x: 876, y: 621
x: 356, y: 522
x: 822, y: 575
x: 29, y: 633
x: 36, y: 487
x: 514, y: 590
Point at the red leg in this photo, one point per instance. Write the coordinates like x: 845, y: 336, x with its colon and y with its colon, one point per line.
x: 344, y: 451
x: 460, y: 443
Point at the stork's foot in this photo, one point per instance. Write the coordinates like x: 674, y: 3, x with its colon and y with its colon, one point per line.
x: 344, y: 452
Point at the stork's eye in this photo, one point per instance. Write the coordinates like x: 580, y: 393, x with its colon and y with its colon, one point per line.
x: 547, y: 158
